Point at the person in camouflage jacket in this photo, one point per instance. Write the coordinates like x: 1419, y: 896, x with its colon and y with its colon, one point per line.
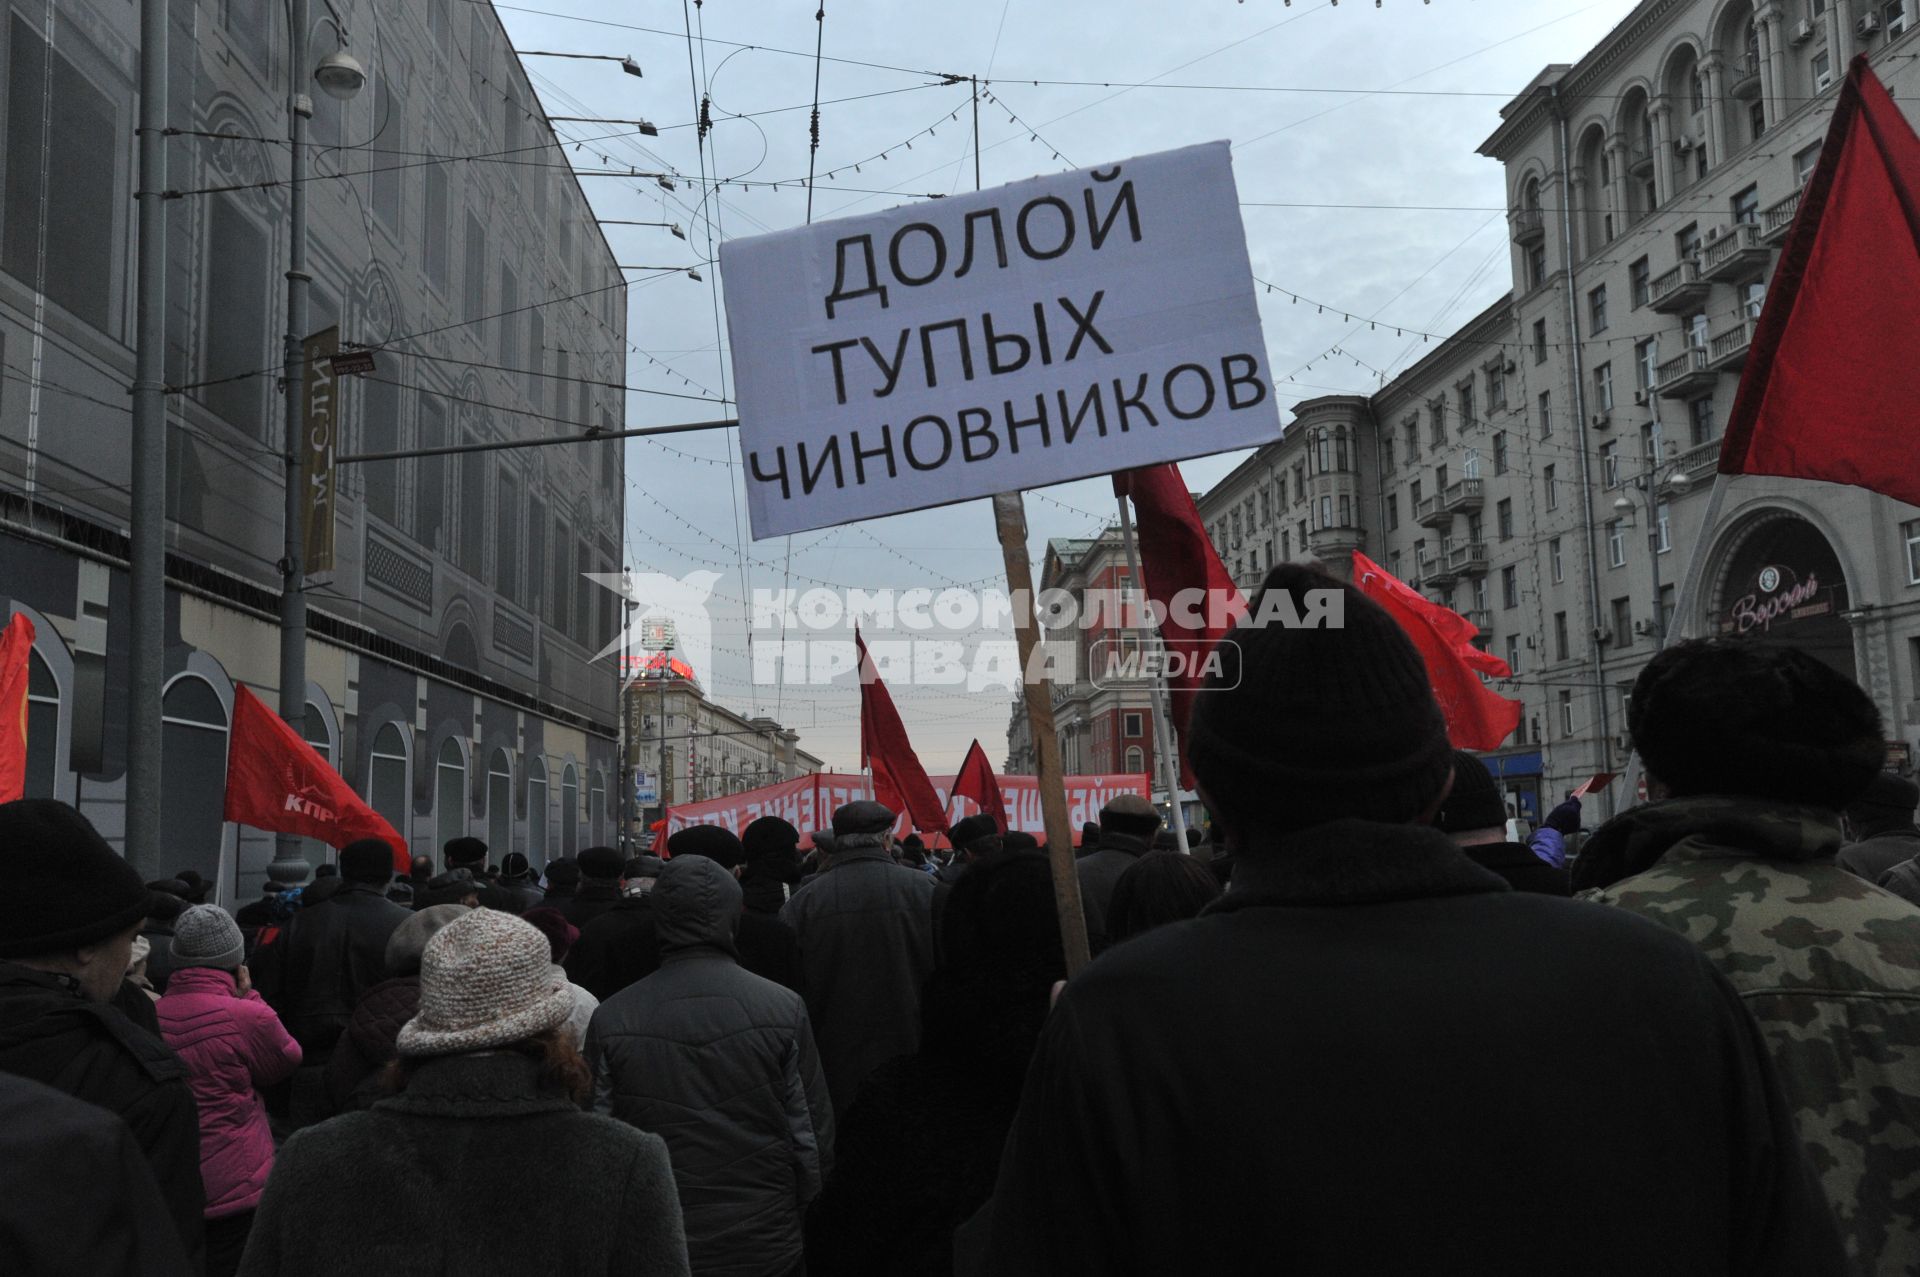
x: 1740, y: 859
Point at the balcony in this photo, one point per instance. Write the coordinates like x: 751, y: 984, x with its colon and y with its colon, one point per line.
x: 1529, y: 225
x: 1728, y: 350
x: 1777, y: 219
x: 1437, y: 511
x: 1736, y: 255
x: 1698, y: 462
x: 1481, y: 618
x: 1640, y: 160
x: 1435, y: 574
x: 1685, y: 376
x: 1679, y: 291
x: 1469, y: 558
x: 1743, y: 77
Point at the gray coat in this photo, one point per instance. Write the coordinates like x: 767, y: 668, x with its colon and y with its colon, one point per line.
x: 1098, y: 874
x: 1873, y: 858
x: 415, y: 1185
x: 721, y: 1064
x: 865, y: 927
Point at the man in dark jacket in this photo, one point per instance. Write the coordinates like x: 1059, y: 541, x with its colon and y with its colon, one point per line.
x: 865, y: 927
x: 622, y: 945
x: 599, y: 888
x: 1475, y: 817
x: 722, y: 1065
x: 563, y: 879
x: 1127, y: 827
x: 470, y: 854
x: 1881, y: 821
x: 772, y: 848
x: 1368, y: 1017
x: 67, y: 922
x: 517, y: 876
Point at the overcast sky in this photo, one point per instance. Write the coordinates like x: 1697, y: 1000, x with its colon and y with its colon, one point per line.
x: 1288, y: 86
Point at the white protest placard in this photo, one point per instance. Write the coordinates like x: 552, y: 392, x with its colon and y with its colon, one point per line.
x: 1048, y: 330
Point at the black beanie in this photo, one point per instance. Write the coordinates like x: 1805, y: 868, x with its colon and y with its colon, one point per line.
x: 1299, y: 726
x: 563, y: 873
x: 711, y: 841
x: 1724, y: 716
x: 463, y: 852
x: 600, y: 862
x: 65, y: 887
x: 767, y: 836
x: 972, y: 829
x: 367, y: 860
x: 1474, y: 802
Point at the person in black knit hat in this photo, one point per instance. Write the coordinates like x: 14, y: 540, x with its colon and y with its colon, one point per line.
x: 1367, y: 1008
x: 772, y: 847
x: 68, y: 917
x: 1475, y: 817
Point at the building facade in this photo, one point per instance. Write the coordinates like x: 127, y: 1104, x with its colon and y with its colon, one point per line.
x: 1546, y: 469
x: 450, y: 654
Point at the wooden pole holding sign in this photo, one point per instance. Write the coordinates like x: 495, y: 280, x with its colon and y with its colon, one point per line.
x: 1010, y: 521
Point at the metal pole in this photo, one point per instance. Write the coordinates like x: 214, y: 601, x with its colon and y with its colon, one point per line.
x: 623, y: 815
x: 146, y: 551
x: 666, y: 668
x: 1163, y: 747
x: 289, y: 857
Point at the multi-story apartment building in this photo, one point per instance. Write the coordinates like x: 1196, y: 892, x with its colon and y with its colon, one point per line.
x: 450, y: 653
x: 711, y: 751
x: 1546, y: 469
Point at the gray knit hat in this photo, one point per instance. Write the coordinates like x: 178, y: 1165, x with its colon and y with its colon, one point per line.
x: 486, y: 980
x: 207, y: 936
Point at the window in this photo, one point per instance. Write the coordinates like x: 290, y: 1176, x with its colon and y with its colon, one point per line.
x: 1911, y: 530
x: 1499, y: 452
x: 1393, y: 511
x: 380, y: 432
x: 1700, y: 420
x: 1746, y: 207
x: 1413, y: 498
x: 597, y: 807
x: 234, y: 324
x: 1467, y: 415
x: 450, y: 791
x: 1393, y: 565
x: 1753, y: 298
x: 1546, y: 414
x: 1340, y: 461
x: 1822, y: 71
x: 473, y: 509
x: 506, y: 536
x: 389, y: 114
x: 1551, y: 486
x: 582, y: 631
x: 1136, y: 760
x: 1597, y: 309
x: 1411, y: 429
x: 499, y: 800
x: 193, y: 735
x: 1474, y: 526
x: 1686, y: 243
x: 1893, y: 17
x: 1663, y: 529
x: 474, y: 280
x: 1556, y: 562
x: 1470, y: 464
x: 1439, y: 480
x: 435, y: 225
x: 1496, y: 387
x: 1266, y: 508
x: 1131, y: 723
x: 1566, y: 712
x: 1326, y: 512
x: 1803, y: 163
x: 1513, y: 653
x: 43, y: 728
x: 1480, y: 593
x: 480, y: 67
x: 1646, y: 358
x: 1640, y: 282
x: 1537, y: 264
x: 1323, y: 447
x: 1609, y: 465
x: 507, y: 326
x: 1616, y: 544
x: 1386, y: 456
x: 1503, y: 518
x: 537, y: 812
x: 430, y: 478
x: 1665, y: 619
x: 1436, y: 423
x: 570, y: 807
x: 1603, y: 387
x: 1561, y: 646
x: 1539, y: 341
x: 1623, y: 621
x: 1346, y: 511
x: 1509, y: 586
x: 1757, y: 119
x: 1698, y: 333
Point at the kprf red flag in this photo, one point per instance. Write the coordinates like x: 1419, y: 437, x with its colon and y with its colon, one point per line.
x: 275, y: 780
x: 1833, y: 376
x: 976, y: 781
x: 899, y: 781
x: 16, y: 654
x: 1477, y: 716
x: 1185, y: 579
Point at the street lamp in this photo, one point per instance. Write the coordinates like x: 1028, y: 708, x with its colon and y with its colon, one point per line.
x: 340, y: 76
x: 1679, y: 482
x: 630, y: 605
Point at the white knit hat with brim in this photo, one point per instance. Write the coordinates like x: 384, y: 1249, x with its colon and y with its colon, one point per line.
x: 486, y: 980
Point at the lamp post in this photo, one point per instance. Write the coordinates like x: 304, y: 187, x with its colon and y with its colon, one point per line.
x: 340, y: 77
x: 621, y: 684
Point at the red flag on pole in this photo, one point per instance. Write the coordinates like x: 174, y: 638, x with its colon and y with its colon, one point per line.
x: 16, y: 654
x: 976, y: 781
x: 277, y: 781
x: 1819, y: 398
x: 1477, y: 716
x: 1176, y: 558
x: 899, y: 781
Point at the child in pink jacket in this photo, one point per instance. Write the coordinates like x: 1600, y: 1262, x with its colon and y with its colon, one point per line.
x: 232, y: 1044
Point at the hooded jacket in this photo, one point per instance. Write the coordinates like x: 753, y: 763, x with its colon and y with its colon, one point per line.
x: 232, y: 1045
x: 865, y: 927
x: 1346, y: 1062
x: 721, y: 1064
x: 323, y: 962
x: 1828, y: 963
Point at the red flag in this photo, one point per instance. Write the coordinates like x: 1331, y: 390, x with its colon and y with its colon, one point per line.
x: 1176, y: 557
x: 1820, y: 397
x: 276, y: 781
x: 659, y: 831
x: 1477, y: 716
x: 1593, y: 784
x: 976, y: 781
x: 16, y: 654
x: 899, y: 781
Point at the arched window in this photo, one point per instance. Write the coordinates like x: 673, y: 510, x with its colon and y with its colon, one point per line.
x: 1340, y: 448
x: 43, y: 727
x: 387, y: 777
x: 537, y: 811
x: 450, y: 791
x: 1326, y: 460
x: 569, y: 811
x: 193, y: 738
x: 316, y: 733
x: 597, y: 808
x: 499, y: 804
x: 1136, y: 760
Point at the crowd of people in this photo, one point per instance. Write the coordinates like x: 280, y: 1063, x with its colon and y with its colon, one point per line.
x: 1360, y: 1028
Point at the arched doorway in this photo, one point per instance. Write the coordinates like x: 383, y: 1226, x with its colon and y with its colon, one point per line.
x: 1781, y: 583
